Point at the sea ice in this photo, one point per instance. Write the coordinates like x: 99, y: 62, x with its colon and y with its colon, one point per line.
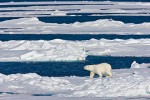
x: 102, y: 26
x: 123, y: 83
x: 137, y: 65
x: 74, y: 8
x: 63, y: 50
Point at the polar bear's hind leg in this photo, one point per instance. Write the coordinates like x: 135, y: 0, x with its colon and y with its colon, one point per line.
x: 108, y: 74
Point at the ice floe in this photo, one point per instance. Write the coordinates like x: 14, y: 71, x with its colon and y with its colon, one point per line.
x: 137, y: 65
x: 102, y: 26
x: 63, y: 50
x: 74, y: 8
x: 124, y: 83
x: 40, y: 51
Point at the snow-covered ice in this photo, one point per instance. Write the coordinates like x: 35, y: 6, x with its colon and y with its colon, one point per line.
x: 137, y: 65
x: 102, y: 26
x: 55, y: 50
x: 123, y: 83
x: 63, y: 50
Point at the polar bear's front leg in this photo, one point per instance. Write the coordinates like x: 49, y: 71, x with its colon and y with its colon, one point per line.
x: 92, y: 74
x: 100, y: 75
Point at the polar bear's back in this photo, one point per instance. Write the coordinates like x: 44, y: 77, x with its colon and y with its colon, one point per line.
x: 103, y: 67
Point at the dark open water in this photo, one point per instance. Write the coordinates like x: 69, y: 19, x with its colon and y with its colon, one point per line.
x: 72, y: 19
x: 67, y: 68
x: 72, y: 37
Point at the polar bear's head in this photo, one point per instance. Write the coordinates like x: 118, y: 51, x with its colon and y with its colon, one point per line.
x: 88, y: 67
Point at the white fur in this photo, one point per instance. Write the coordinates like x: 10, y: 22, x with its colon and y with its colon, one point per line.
x: 100, y: 69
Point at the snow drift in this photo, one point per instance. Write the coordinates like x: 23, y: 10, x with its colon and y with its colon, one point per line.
x: 137, y: 65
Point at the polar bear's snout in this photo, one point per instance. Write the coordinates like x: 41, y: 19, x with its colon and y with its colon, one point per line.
x: 86, y: 67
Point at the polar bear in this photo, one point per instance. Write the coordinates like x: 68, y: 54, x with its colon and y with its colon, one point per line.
x: 100, y: 69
